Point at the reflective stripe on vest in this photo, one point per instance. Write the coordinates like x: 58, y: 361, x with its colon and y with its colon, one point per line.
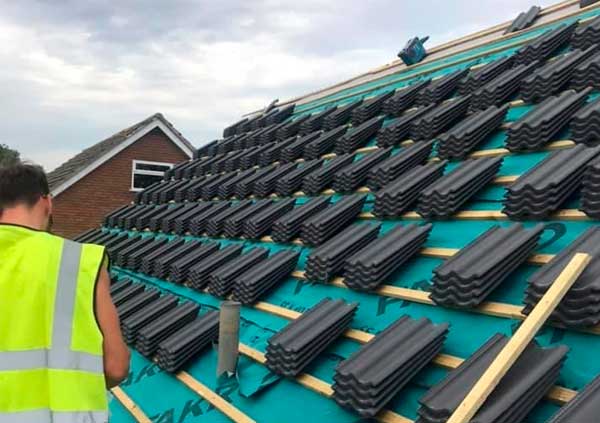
x: 59, y: 356
x: 39, y: 416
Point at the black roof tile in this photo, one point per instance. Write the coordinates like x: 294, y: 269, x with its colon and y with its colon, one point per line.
x: 197, y: 223
x: 438, y: 119
x: 543, y: 46
x: 147, y: 262
x: 590, y: 195
x: 134, y: 259
x: 340, y: 115
x: 369, y: 108
x: 214, y: 225
x: 586, y: 34
x: 147, y: 314
x: 394, y: 166
x: 373, y: 264
x: 295, y: 346
x: 261, y: 223
x: 322, y: 226
x: 184, y: 268
x: 287, y: 227
x: 469, y: 277
x: 295, y: 150
x: 585, y: 407
x: 585, y: 123
x: 524, y: 20
x: 349, y: 178
x: 161, y: 265
x: 441, y: 88
x: 203, y: 266
x: 358, y: 136
x: 480, y: 76
x: 321, y: 178
x: 221, y: 280
x: 324, y: 262
x: 403, y: 98
x: 233, y: 226
x: 292, y: 181
x: 400, y: 194
x: 445, y: 196
x: 138, y: 302
x: 315, y: 122
x: 325, y: 143
x: 398, y: 129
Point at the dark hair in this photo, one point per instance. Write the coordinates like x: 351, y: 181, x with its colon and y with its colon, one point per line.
x: 22, y: 183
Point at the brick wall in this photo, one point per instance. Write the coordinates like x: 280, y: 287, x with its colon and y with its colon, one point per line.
x: 83, y: 205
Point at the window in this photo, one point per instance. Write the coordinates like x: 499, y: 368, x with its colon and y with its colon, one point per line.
x: 146, y: 173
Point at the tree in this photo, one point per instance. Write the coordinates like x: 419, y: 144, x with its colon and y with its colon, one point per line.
x: 8, y: 156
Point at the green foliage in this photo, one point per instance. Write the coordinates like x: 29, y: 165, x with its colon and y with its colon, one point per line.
x: 8, y: 156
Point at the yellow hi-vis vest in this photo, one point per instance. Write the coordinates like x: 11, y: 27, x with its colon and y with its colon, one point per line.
x: 51, y: 368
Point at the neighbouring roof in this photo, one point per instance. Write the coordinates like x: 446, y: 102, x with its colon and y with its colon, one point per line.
x: 72, y: 170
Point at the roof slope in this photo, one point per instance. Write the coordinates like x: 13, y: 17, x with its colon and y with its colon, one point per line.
x: 96, y: 152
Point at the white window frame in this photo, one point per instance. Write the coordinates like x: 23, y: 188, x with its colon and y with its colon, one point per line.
x: 135, y: 171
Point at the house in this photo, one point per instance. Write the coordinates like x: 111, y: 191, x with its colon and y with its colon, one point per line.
x: 109, y: 173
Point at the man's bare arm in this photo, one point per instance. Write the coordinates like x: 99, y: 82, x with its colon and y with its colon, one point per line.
x: 116, y: 353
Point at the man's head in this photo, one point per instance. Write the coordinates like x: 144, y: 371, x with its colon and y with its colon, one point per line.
x: 24, y: 196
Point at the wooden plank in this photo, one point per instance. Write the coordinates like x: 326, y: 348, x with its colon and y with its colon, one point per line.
x: 214, y: 399
x: 130, y: 405
x: 519, y: 341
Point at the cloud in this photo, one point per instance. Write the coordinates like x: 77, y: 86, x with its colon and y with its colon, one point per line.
x: 74, y: 72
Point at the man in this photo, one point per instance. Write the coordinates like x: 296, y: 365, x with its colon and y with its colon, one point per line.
x: 60, y: 340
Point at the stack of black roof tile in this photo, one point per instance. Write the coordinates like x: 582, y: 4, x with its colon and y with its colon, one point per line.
x: 119, y: 286
x: 442, y: 88
x: 527, y: 381
x: 551, y: 77
x: 291, y: 182
x: 133, y: 260
x: 141, y: 220
x: 590, y: 193
x: 290, y: 350
x: 398, y: 129
x: 287, y: 227
x: 468, y: 277
x: 226, y: 189
x: 162, y: 265
x: 168, y: 223
x: 352, y: 176
x: 444, y: 197
x: 394, y: 166
x: 524, y: 20
x: 543, y: 46
x: 205, y: 265
x: 373, y: 375
x: 324, y: 144
x: 270, y: 135
x: 214, y: 225
x: 147, y: 314
x: 541, y: 190
x: 369, y: 108
x: 370, y: 267
x: 252, y: 155
x: 110, y: 219
x: 322, y: 226
x: 357, y: 136
x: 125, y: 294
x: 321, y: 178
x: 272, y: 152
x: 465, y: 136
x: 266, y: 185
x: 197, y: 225
x: 291, y: 128
x: 539, y: 126
x: 179, y: 271
x: 584, y: 407
x: 233, y: 128
x: 137, y: 302
x: 437, y: 120
x: 481, y: 76
x: 244, y: 187
x: 400, y: 194
x: 261, y: 223
x: 280, y: 114
x: 324, y: 262
x: 155, y: 222
x: 147, y: 263
x: 340, y: 115
x: 585, y: 124
x: 252, y: 284
x: 182, y: 346
x: 121, y: 257
x: 209, y: 190
x: 295, y: 150
x: 315, y: 122
x: 501, y: 88
x: 150, y: 336
x: 221, y: 281
x: 116, y: 244
x: 403, y: 99
x: 233, y: 227
x: 580, y: 307
x: 586, y: 34
x: 181, y: 224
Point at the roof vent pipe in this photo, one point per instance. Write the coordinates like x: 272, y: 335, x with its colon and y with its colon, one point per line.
x: 229, y: 337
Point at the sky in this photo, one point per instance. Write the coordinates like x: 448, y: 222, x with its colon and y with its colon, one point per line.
x: 74, y: 72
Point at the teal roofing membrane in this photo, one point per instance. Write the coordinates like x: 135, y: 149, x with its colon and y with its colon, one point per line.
x: 266, y: 397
